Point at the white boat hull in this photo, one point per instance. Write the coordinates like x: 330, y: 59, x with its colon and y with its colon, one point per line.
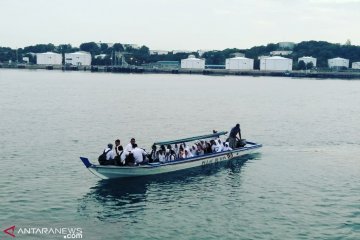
x: 204, y: 161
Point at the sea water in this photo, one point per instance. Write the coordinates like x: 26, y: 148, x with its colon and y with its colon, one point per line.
x: 303, y: 184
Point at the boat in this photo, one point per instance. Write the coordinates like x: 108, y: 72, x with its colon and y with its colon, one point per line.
x: 204, y: 161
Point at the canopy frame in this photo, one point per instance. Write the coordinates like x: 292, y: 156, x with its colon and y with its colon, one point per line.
x: 190, y: 139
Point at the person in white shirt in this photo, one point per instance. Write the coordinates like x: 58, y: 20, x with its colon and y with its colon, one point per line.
x: 130, y: 147
x: 138, y: 154
x: 226, y: 147
x: 193, y: 150
x: 188, y: 154
x: 219, y: 145
x: 120, y: 158
x: 110, y: 155
x: 161, y: 156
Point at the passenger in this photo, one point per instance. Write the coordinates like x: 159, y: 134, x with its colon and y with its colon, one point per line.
x: 208, y: 148
x: 226, y: 147
x: 188, y: 154
x: 193, y: 150
x: 120, y: 158
x: 213, y: 146
x: 181, y: 154
x: 130, y: 147
x: 161, y: 156
x: 139, y: 154
x: 199, y: 150
x: 203, y: 144
x: 110, y: 155
x: 220, y: 145
x: 117, y: 144
x: 233, y: 135
x: 154, y: 155
x: 172, y: 155
x: 176, y: 149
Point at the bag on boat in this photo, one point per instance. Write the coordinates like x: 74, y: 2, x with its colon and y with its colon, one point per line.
x: 102, y: 157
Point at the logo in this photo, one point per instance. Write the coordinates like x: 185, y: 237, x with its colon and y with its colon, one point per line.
x: 10, y: 231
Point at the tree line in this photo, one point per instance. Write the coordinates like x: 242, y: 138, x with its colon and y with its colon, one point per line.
x: 137, y: 56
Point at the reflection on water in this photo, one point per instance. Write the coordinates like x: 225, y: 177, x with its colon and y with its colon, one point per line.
x: 111, y: 200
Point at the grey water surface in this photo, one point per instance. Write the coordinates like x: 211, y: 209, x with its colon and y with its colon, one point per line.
x: 303, y: 184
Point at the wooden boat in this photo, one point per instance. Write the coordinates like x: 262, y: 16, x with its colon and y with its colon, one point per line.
x: 202, y: 161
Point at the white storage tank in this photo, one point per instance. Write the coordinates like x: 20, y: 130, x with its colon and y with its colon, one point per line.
x: 78, y: 58
x: 307, y: 60
x: 355, y: 65
x: 239, y: 63
x: 338, y: 63
x: 48, y: 58
x: 276, y: 64
x: 193, y: 63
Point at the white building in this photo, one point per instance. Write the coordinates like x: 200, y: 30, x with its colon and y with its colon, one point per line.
x: 356, y: 65
x: 275, y: 64
x: 307, y: 60
x: 78, y: 58
x: 193, y: 63
x: 48, y: 58
x: 338, y: 62
x: 239, y: 63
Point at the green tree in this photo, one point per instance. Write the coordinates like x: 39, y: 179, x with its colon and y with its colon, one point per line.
x: 309, y: 65
x: 301, y: 65
x: 91, y: 47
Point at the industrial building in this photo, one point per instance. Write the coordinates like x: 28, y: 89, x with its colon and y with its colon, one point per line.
x: 78, y: 58
x: 239, y: 63
x: 48, y: 58
x: 193, y: 63
x: 355, y: 65
x: 275, y: 64
x: 307, y: 60
x: 338, y: 63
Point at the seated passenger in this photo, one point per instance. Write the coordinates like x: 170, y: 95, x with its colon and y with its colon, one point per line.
x: 153, y: 157
x: 161, y: 156
x: 110, y: 155
x: 226, y: 147
x: 199, y: 150
x: 120, y: 158
x: 139, y: 154
x: 208, y: 148
x: 220, y: 145
x: 188, y: 154
x: 193, y: 150
x: 172, y: 155
x: 181, y: 154
x: 130, y: 145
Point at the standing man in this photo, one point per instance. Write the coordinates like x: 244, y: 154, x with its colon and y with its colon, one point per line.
x: 233, y: 134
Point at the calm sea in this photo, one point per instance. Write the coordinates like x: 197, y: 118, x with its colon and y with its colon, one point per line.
x: 304, y: 183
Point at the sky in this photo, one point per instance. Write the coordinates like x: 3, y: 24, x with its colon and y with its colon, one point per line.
x: 178, y: 24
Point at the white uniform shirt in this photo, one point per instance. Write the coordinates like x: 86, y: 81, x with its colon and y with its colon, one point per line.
x: 110, y: 155
x: 138, y: 154
x: 128, y: 148
x: 162, y: 158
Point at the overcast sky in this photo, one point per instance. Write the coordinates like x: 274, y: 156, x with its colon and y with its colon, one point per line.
x: 178, y: 24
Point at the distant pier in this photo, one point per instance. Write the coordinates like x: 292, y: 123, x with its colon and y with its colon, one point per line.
x: 139, y: 69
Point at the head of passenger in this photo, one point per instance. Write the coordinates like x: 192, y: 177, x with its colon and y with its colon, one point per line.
x: 120, y: 148
x: 162, y: 147
x: 134, y: 145
x: 153, y: 147
x: 117, y: 142
x: 168, y: 146
x: 110, y: 146
x: 237, y: 126
x: 132, y: 141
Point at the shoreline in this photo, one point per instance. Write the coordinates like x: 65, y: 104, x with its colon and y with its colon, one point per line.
x: 215, y: 72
